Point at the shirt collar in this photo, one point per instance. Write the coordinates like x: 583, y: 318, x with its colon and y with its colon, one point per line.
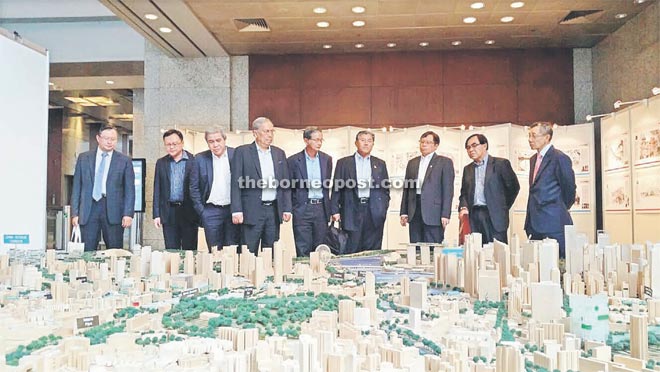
x: 309, y: 157
x: 545, y: 149
x: 427, y: 156
x: 259, y: 149
x: 183, y: 157
x: 359, y: 157
x: 483, y: 161
x: 224, y: 155
x: 99, y: 152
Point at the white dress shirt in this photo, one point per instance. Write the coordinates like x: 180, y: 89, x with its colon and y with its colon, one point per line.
x: 107, y: 167
x: 424, y: 162
x: 221, y: 187
x: 269, y: 192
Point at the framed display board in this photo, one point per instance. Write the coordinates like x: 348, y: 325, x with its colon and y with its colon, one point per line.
x: 140, y: 169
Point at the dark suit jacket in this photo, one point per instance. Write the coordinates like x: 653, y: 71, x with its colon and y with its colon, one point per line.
x: 245, y: 165
x: 298, y: 174
x: 345, y: 200
x: 161, y: 205
x: 120, y: 187
x: 437, y: 189
x: 201, y: 178
x: 551, y: 194
x: 500, y: 189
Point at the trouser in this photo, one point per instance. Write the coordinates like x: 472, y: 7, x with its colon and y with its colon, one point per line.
x: 113, y: 235
x: 309, y: 229
x: 367, y: 236
x: 219, y: 230
x: 179, y: 232
x: 265, y: 231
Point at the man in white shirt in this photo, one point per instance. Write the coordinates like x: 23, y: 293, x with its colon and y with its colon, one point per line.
x: 210, y: 190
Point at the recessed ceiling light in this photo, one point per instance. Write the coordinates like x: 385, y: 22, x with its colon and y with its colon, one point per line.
x: 358, y: 23
x: 517, y: 4
x: 391, y: 45
x: 51, y: 84
x: 327, y: 46
x: 359, y: 45
x: 621, y: 16
x: 358, y: 9
x: 469, y: 19
x: 320, y: 10
x: 165, y: 30
x: 456, y: 43
x: 478, y: 5
x: 640, y: 1
x: 323, y: 24
x: 489, y: 42
x: 151, y: 17
x: 109, y: 82
x: 506, y: 19
x: 424, y: 44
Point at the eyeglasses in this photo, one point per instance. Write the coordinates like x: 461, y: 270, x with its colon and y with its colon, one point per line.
x: 173, y: 144
x: 473, y: 145
x: 535, y: 135
x: 316, y: 139
x: 108, y: 139
x: 427, y: 142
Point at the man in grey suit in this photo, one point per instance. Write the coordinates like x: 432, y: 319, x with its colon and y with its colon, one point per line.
x: 488, y: 190
x: 361, y: 195
x: 210, y: 190
x: 260, y: 201
x: 428, y: 192
x: 311, y: 172
x: 103, y: 195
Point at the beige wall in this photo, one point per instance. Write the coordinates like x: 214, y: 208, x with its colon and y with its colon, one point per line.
x: 626, y: 64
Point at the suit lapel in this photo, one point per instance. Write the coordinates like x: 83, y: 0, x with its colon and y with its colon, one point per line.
x: 113, y: 167
x: 472, y: 180
x: 545, y: 161
x: 489, y: 169
x: 165, y: 169
x: 208, y: 163
x: 322, y: 161
x: 302, y: 164
x: 255, y: 159
x: 92, y: 163
x: 429, y: 168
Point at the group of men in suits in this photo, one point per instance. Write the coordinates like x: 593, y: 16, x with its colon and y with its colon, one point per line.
x: 242, y: 195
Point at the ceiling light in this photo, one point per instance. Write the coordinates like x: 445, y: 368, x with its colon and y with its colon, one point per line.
x: 320, y: 10
x: 517, y: 4
x: 151, y: 17
x: 358, y: 9
x: 489, y: 42
x: 477, y: 5
x: 359, y: 45
x: 655, y: 91
x: 323, y: 24
x: 359, y: 23
x: 456, y: 43
x: 640, y: 1
x: 391, y: 45
x: 469, y: 20
x: 424, y: 44
x: 109, y: 82
x: 506, y: 19
x: 51, y: 84
x: 621, y: 16
x: 327, y: 46
x: 165, y: 30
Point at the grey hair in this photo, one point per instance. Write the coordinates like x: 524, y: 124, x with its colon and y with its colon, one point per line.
x: 307, y: 133
x: 545, y: 127
x: 258, y: 122
x: 215, y: 130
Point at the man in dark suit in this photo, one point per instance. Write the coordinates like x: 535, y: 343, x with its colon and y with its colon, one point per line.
x: 361, y: 196
x: 172, y: 206
x: 310, y: 171
x: 551, y: 188
x: 428, y: 192
x: 103, y: 195
x: 210, y: 190
x: 259, y: 199
x: 488, y: 190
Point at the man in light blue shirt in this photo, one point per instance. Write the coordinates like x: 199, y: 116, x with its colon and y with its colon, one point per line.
x: 310, y: 171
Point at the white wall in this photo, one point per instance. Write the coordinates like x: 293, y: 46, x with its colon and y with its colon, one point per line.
x: 24, y: 120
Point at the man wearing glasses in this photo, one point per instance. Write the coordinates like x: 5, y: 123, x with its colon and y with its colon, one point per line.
x: 259, y: 199
x: 551, y: 188
x: 103, y: 194
x: 172, y: 205
x: 311, y: 172
x: 428, y: 192
x: 488, y: 190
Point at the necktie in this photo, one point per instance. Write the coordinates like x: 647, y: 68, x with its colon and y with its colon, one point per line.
x: 539, y: 158
x: 98, y: 178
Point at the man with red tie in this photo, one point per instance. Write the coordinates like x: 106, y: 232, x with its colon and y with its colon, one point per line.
x: 551, y: 188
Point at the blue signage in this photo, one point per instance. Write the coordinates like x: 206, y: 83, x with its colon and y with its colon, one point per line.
x: 17, y: 239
